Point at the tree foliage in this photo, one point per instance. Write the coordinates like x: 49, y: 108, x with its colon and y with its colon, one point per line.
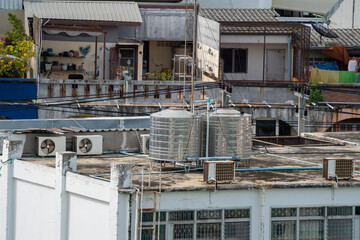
x: 15, y: 58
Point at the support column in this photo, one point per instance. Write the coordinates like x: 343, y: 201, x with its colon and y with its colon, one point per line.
x: 121, y: 178
x: 277, y: 128
x: 65, y: 161
x: 12, y: 149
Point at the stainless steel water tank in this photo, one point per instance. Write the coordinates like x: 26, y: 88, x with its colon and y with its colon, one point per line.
x: 174, y: 135
x: 230, y: 134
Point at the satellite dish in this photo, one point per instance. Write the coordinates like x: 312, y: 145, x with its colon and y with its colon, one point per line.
x: 324, y: 31
x: 85, y: 145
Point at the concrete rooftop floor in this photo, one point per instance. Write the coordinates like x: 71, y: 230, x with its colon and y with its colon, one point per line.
x: 174, y: 178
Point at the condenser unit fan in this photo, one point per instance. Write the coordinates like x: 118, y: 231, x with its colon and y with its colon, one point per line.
x: 85, y: 145
x: 47, y: 146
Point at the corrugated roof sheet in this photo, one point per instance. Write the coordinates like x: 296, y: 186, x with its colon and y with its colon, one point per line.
x: 239, y: 15
x: 85, y: 10
x: 11, y: 4
x: 348, y: 37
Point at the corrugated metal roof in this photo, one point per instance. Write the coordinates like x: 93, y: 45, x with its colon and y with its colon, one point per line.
x: 11, y: 4
x: 240, y: 15
x: 348, y: 37
x: 89, y: 10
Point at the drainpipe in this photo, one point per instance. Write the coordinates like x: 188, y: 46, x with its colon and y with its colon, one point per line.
x: 262, y: 212
x: 289, y: 57
x: 353, y: 14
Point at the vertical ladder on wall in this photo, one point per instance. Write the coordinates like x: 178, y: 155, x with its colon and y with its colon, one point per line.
x: 154, y: 210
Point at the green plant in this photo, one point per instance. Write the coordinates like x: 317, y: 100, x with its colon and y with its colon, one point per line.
x: 18, y: 32
x: 315, y: 95
x: 163, y: 76
x: 15, y: 58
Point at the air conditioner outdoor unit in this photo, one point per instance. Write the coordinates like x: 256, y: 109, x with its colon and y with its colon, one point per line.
x: 341, y: 168
x: 144, y: 143
x: 219, y: 171
x: 88, y: 144
x: 48, y: 146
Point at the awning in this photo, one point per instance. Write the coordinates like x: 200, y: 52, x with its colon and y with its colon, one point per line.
x: 317, y: 6
x: 106, y: 13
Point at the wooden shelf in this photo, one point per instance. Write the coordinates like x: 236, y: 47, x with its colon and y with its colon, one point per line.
x: 64, y: 56
x: 69, y: 71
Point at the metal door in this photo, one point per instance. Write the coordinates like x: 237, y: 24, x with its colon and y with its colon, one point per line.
x: 275, y: 64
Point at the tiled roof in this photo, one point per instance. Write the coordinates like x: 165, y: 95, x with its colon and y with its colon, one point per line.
x: 244, y: 15
x: 239, y: 15
x: 84, y: 10
x: 347, y: 37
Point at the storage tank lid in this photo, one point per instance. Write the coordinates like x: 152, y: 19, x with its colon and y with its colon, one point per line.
x: 226, y: 112
x: 172, y: 113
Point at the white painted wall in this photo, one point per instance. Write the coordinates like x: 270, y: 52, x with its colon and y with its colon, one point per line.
x: 254, y: 45
x: 90, y: 209
x: 33, y: 211
x: 343, y: 16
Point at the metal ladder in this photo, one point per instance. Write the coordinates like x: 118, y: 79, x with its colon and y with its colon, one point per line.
x: 154, y: 210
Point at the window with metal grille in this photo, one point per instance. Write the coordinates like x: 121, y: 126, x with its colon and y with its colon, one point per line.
x: 181, y: 216
x: 315, y: 211
x: 147, y: 234
x: 311, y: 230
x: 339, y: 211
x: 208, y: 231
x: 313, y: 223
x: 237, y: 230
x: 237, y: 213
x: 283, y: 230
x: 283, y: 212
x: 339, y: 229
x: 211, y: 214
x: 148, y: 216
x: 183, y: 231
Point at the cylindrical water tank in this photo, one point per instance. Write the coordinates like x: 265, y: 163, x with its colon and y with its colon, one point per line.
x: 174, y: 135
x: 230, y: 134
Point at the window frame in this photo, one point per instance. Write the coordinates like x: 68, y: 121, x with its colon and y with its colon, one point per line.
x: 325, y: 218
x: 233, y: 59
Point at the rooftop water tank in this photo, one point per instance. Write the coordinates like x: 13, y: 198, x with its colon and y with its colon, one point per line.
x: 174, y: 135
x: 230, y: 134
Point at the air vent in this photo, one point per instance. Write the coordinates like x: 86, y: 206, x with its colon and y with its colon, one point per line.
x: 48, y: 146
x: 219, y: 171
x: 88, y: 144
x: 144, y: 143
x: 341, y: 168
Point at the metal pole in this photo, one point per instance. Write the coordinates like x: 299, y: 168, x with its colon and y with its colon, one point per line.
x: 193, y: 55
x: 96, y: 46
x: 299, y: 115
x: 185, y: 51
x: 207, y: 126
x: 263, y: 77
x: 104, y: 55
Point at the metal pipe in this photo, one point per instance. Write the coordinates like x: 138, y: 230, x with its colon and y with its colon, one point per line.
x: 289, y: 57
x: 104, y: 55
x: 347, y: 103
x: 207, y: 126
x: 277, y: 169
x: 293, y: 159
x: 215, y: 158
x: 332, y: 108
x: 267, y: 104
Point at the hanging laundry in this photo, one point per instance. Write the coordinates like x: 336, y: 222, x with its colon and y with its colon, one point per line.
x: 352, y: 65
x: 324, y: 76
x: 327, y: 66
x: 347, y: 77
